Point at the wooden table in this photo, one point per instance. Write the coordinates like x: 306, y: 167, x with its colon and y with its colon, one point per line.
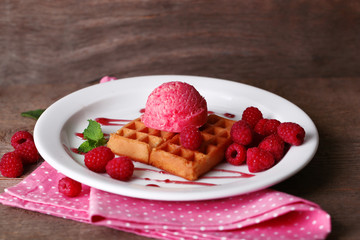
x: 305, y: 51
x: 331, y: 179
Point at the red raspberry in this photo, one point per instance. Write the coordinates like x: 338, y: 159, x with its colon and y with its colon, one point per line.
x: 291, y: 133
x: 190, y: 137
x: 273, y: 144
x: 120, y: 168
x: 21, y: 137
x: 241, y: 133
x: 266, y: 127
x: 259, y: 160
x: 27, y: 152
x: 260, y: 126
x: 257, y: 138
x: 252, y: 115
x: 69, y: 187
x: 96, y: 159
x: 11, y: 165
x: 235, y: 154
x: 271, y: 126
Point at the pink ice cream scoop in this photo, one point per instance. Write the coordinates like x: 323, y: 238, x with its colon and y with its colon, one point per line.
x: 173, y: 106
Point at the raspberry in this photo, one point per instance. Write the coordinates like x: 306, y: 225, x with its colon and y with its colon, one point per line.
x: 273, y: 144
x: 21, y: 137
x: 11, y: 165
x: 241, y: 133
x: 271, y: 126
x: 120, y: 168
x: 235, y: 154
x: 266, y: 127
x: 69, y: 187
x: 257, y: 138
x: 291, y: 133
x: 27, y: 152
x: 260, y: 126
x: 252, y: 115
x: 96, y: 159
x: 190, y: 137
x: 259, y: 160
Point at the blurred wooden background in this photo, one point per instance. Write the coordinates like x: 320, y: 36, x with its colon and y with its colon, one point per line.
x: 67, y: 41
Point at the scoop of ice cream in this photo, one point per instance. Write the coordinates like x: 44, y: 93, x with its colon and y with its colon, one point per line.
x: 173, y: 106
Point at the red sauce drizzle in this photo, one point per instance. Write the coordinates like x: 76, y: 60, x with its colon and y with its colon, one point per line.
x: 241, y: 174
x: 177, y: 182
x: 152, y: 185
x: 121, y: 122
x: 110, y: 121
x: 75, y: 150
x: 151, y: 170
x: 229, y: 115
x: 80, y: 135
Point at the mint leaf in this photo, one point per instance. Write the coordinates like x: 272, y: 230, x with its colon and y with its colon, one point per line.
x: 93, y: 131
x: 35, y: 114
x: 85, y: 147
x: 94, y: 137
x: 102, y: 142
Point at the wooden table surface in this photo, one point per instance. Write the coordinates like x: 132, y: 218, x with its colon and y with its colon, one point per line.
x: 305, y: 51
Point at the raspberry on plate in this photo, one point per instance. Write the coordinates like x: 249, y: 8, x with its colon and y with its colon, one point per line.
x: 271, y: 126
x: 190, y: 138
x: 291, y: 133
x: 27, y: 152
x: 259, y: 160
x: 96, y: 159
x: 252, y: 115
x: 241, y: 133
x: 20, y: 137
x: 120, y: 168
x: 273, y: 144
x: 11, y: 165
x: 69, y: 187
x: 260, y: 126
x: 266, y: 127
x: 235, y: 154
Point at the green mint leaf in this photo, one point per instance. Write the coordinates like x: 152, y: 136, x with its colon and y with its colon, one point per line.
x: 101, y: 142
x: 35, y: 114
x: 85, y: 147
x: 94, y: 137
x: 93, y: 131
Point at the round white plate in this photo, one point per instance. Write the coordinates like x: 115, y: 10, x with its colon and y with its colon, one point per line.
x: 55, y: 137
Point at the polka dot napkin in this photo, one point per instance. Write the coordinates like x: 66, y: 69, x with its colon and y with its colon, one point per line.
x: 266, y: 214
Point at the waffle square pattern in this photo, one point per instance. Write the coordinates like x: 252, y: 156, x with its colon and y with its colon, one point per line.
x: 163, y: 149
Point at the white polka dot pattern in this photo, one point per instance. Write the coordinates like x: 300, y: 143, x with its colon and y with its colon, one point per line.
x: 265, y: 214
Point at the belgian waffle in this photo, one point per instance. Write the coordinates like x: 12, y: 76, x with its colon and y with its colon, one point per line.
x: 135, y: 140
x: 163, y: 149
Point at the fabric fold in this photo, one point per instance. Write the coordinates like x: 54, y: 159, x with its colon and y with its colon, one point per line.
x: 266, y: 214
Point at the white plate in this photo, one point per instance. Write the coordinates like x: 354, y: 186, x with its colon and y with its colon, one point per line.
x: 122, y: 99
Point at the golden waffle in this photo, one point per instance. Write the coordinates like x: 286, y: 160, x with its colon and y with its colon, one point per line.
x: 163, y: 149
x: 135, y: 140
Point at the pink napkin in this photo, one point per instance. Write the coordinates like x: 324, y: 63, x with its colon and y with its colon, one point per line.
x: 266, y: 214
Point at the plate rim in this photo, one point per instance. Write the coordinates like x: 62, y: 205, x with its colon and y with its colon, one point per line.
x: 177, y: 195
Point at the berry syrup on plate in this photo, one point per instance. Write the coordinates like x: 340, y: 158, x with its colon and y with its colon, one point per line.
x: 121, y: 122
